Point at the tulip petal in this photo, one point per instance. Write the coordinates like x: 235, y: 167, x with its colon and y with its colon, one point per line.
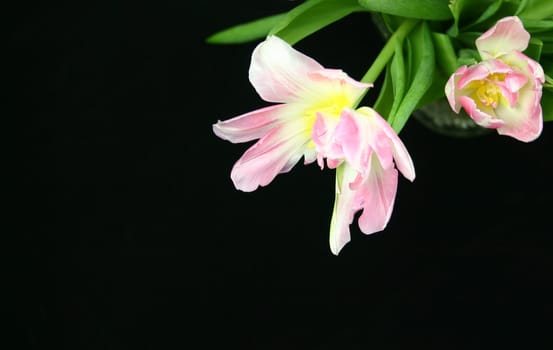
x: 353, y: 135
x: 276, y: 152
x: 249, y: 126
x: 344, y: 211
x: 451, y: 88
x: 507, y: 35
x: 481, y: 71
x: 278, y: 72
x: 323, y: 135
x: 377, y: 197
x: 484, y: 117
x: 524, y: 121
x: 401, y: 156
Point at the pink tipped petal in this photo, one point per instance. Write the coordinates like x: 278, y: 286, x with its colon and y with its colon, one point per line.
x: 527, y: 131
x: 323, y: 137
x: 523, y: 122
x: 450, y: 89
x: 349, y: 136
x: 535, y: 70
x: 481, y: 71
x: 361, y: 133
x: 339, y: 78
x: 402, y: 159
x: 475, y: 72
x: 344, y: 210
x: 249, y: 126
x: 377, y: 197
x: 275, y: 153
x: 507, y: 35
x: 278, y: 72
x: 483, y: 118
x: 514, y: 81
x: 399, y: 152
x: 510, y: 87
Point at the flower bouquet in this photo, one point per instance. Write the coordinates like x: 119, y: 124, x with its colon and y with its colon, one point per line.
x: 487, y: 63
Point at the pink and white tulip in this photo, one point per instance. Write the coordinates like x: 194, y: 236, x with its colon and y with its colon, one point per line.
x: 301, y: 88
x: 504, y: 90
x: 367, y: 152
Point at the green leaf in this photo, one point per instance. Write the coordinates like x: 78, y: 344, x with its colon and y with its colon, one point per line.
x: 436, y: 91
x: 537, y: 26
x: 534, y: 48
x: 385, y: 99
x: 536, y: 9
x: 465, y: 12
x: 445, y: 53
x: 487, y: 13
x: 246, y: 32
x: 422, y: 9
x: 311, y: 16
x: 547, y: 105
x: 422, y: 64
x: 547, y: 41
x: 468, y: 57
x: 398, y: 75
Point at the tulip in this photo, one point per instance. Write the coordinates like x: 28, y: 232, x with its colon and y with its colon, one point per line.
x: 504, y: 90
x: 300, y: 87
x: 368, y: 153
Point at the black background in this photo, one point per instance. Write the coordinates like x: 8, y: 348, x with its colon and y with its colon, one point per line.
x: 132, y: 235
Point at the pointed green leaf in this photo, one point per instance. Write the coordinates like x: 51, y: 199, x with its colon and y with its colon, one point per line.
x: 534, y: 49
x: 537, y: 26
x: 422, y: 71
x: 385, y: 99
x: 536, y: 9
x: 398, y: 75
x: 486, y: 14
x: 311, y: 16
x: 445, y: 53
x: 468, y: 57
x: 246, y: 32
x: 465, y: 12
x: 422, y: 9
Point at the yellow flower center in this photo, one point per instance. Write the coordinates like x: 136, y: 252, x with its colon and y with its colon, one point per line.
x: 486, y: 91
x: 330, y: 106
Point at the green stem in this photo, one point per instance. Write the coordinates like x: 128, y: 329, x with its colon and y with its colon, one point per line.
x: 387, y: 52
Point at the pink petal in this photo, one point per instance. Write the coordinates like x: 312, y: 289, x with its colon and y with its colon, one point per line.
x: 249, y: 126
x: 360, y: 133
x: 337, y: 75
x: 481, y: 71
x: 344, y: 211
x: 483, y: 118
x: 323, y: 136
x: 536, y: 70
x: 277, y: 152
x: 451, y: 88
x: 363, y: 132
x: 401, y: 157
x: 513, y: 82
x: 526, y: 65
x: 507, y: 35
x: 524, y: 121
x: 349, y: 135
x: 377, y: 197
x: 278, y: 72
